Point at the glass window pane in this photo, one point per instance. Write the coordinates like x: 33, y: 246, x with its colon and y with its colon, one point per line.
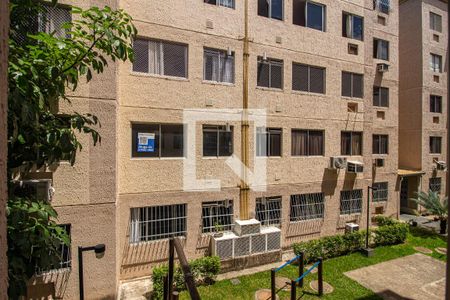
x: 358, y: 28
x: 275, y: 144
x: 346, y: 84
x: 175, y: 56
x: 357, y: 87
x: 145, y: 140
x: 277, y: 9
x: 315, y: 16
x: 300, y: 77
x: 263, y: 74
x: 225, y: 143
x: 171, y: 140
x: 263, y: 8
x: 210, y: 142
x: 140, y: 63
x: 276, y: 76
x: 317, y: 80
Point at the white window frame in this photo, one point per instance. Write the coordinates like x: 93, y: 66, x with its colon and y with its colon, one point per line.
x: 381, y: 194
x: 353, y: 202
x: 314, y: 207
x: 324, y: 16
x: 268, y: 207
x: 215, y: 217
x: 435, y: 58
x: 222, y: 56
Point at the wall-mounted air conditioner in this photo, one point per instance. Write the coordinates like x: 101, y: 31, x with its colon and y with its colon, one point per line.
x: 338, y: 162
x: 351, y: 227
x: 382, y: 68
x: 355, y: 167
x: 246, y: 227
x: 441, y: 165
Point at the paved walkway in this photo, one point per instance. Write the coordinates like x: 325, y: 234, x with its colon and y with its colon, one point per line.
x: 415, y: 276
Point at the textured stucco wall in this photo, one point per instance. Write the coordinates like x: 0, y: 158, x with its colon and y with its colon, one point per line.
x: 4, y: 29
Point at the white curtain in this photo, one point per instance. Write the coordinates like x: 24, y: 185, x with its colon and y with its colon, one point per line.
x: 228, y: 69
x: 227, y: 3
x: 155, y: 61
x: 135, y: 233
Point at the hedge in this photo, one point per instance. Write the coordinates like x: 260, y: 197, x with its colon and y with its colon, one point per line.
x: 333, y: 246
x: 204, y: 270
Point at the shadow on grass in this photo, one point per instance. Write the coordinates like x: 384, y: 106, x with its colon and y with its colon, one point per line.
x: 426, y: 233
x: 386, y: 294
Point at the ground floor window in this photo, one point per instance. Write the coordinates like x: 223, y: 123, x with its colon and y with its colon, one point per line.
x: 307, y: 207
x: 268, y: 210
x: 435, y: 184
x: 217, y: 216
x: 157, y: 222
x: 62, y: 258
x: 381, y: 192
x: 351, y: 202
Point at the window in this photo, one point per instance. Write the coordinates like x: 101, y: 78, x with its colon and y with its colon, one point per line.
x: 270, y: 73
x: 218, y: 66
x: 435, y: 144
x: 307, y: 207
x: 435, y: 184
x: 62, y: 259
x: 309, y: 14
x: 159, y: 57
x: 157, y: 222
x: 435, y: 22
x: 380, y: 144
x: 380, y: 96
x: 268, y: 141
x: 352, y: 26
x: 436, y: 63
x: 157, y: 140
x: 382, y: 6
x: 380, y: 49
x: 308, y: 78
x: 226, y: 3
x: 217, y: 216
x: 351, y: 202
x: 381, y: 192
x: 307, y: 142
x: 51, y: 20
x: 217, y: 140
x: 351, y: 143
x: 268, y: 210
x: 271, y: 9
x: 435, y: 104
x: 352, y: 85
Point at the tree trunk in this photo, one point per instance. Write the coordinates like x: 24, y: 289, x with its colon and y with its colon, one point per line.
x: 4, y: 29
x: 443, y: 226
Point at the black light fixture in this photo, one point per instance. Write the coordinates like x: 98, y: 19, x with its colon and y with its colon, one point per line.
x: 99, y: 253
x: 367, y: 251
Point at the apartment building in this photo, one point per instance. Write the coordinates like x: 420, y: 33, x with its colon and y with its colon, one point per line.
x: 323, y: 73
x: 423, y: 99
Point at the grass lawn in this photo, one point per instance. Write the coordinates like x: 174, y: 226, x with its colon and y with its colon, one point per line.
x: 344, y: 287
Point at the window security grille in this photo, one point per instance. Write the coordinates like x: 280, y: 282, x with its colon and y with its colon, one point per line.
x: 380, y: 96
x: 435, y: 22
x: 382, y: 6
x: 218, y: 66
x: 270, y: 73
x: 307, y: 207
x: 435, y: 104
x: 157, y: 222
x: 352, y: 26
x: 160, y: 57
x: 436, y: 63
x: 435, y: 144
x: 351, y: 202
x: 63, y: 257
x: 268, y: 211
x: 225, y: 3
x: 268, y: 141
x: 217, y: 215
x: 380, y: 144
x: 381, y: 192
x: 435, y: 184
x: 352, y: 85
x: 308, y: 78
x: 380, y: 49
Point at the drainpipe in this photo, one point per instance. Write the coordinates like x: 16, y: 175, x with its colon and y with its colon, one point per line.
x: 447, y: 290
x: 244, y: 188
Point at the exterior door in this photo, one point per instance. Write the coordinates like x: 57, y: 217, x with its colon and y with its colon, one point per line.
x: 404, y: 194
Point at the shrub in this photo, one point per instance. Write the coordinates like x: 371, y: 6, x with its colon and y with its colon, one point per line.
x: 385, y: 221
x: 204, y: 270
x: 391, y: 234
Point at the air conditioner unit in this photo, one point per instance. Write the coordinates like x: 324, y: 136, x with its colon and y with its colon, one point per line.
x: 247, y: 227
x: 223, y: 246
x: 338, y: 162
x: 382, y: 68
x: 355, y: 167
x: 441, y: 165
x: 379, y: 162
x: 39, y: 189
x: 351, y: 227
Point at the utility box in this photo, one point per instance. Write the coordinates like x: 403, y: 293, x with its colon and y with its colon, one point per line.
x: 247, y: 227
x: 350, y: 227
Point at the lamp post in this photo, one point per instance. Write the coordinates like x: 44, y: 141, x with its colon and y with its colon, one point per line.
x: 99, y: 253
x: 367, y: 251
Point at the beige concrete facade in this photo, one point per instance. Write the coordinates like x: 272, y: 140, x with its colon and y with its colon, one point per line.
x: 97, y: 194
x: 417, y: 82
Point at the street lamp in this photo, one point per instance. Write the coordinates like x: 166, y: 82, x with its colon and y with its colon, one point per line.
x: 368, y: 251
x: 99, y: 253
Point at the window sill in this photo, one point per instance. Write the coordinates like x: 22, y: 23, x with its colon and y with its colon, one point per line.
x: 352, y: 98
x: 268, y: 157
x: 383, y: 108
x: 305, y: 221
x: 158, y: 158
x: 215, y: 157
x: 143, y: 243
x: 350, y: 215
x: 55, y: 271
x: 269, y: 89
x: 308, y: 93
x: 148, y: 75
x: 218, y: 83
x: 307, y: 156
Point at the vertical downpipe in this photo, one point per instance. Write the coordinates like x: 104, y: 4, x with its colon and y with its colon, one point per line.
x: 447, y: 290
x: 244, y: 188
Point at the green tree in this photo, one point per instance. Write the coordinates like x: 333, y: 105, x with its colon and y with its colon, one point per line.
x: 42, y: 68
x: 433, y: 203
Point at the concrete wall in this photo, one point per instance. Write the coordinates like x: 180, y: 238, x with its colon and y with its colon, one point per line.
x: 4, y: 29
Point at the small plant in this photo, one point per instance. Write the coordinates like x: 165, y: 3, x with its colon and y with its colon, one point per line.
x: 433, y: 203
x: 218, y: 229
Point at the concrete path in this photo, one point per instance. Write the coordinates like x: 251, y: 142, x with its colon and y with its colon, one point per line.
x: 415, y: 276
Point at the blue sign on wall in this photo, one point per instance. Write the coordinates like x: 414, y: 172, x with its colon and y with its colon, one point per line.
x: 146, y: 142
